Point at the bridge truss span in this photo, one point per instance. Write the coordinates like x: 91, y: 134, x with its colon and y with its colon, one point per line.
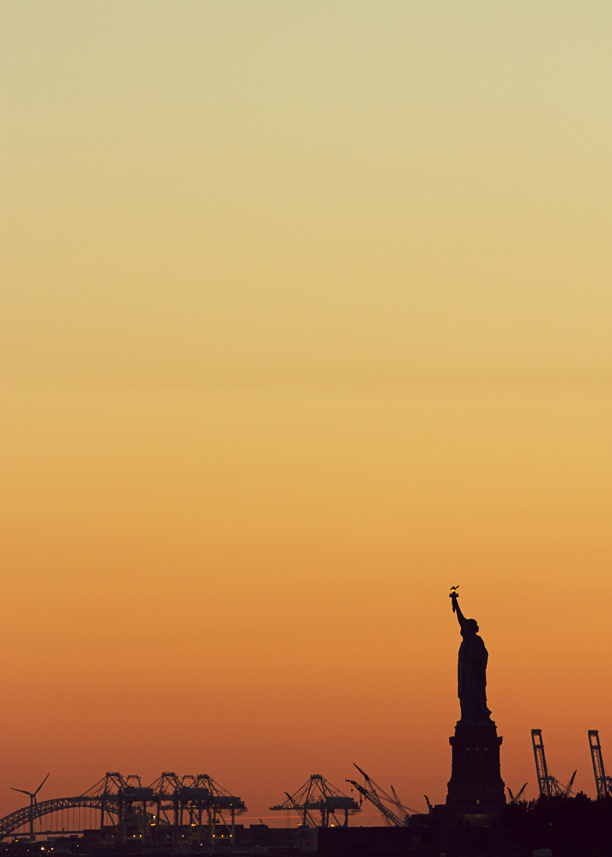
x: 13, y: 823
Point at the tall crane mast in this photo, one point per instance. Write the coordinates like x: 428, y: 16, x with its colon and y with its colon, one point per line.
x: 540, y: 760
x: 603, y: 782
x: 549, y: 786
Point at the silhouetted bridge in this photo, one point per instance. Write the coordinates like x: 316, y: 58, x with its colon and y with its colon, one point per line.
x: 172, y: 809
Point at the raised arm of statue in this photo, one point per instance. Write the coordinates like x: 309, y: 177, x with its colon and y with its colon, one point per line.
x: 460, y: 616
x: 456, y: 609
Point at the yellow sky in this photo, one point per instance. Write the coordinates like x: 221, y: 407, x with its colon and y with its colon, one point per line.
x: 306, y: 317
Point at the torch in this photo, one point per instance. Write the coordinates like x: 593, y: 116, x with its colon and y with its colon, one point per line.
x: 454, y: 595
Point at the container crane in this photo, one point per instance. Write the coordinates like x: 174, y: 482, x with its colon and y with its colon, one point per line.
x: 318, y: 795
x: 549, y: 786
x: 603, y: 782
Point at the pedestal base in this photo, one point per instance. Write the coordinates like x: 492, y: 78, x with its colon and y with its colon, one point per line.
x: 475, y: 786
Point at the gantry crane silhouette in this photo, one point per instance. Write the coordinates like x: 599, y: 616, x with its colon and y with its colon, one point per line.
x: 167, y: 811
x: 318, y: 795
x: 549, y: 786
x: 603, y: 783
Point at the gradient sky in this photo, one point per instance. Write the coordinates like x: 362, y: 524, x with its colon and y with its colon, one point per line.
x: 306, y: 317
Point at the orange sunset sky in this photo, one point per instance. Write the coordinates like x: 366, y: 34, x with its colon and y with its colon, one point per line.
x: 305, y: 317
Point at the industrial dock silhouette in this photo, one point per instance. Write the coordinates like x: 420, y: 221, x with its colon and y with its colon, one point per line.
x: 183, y: 814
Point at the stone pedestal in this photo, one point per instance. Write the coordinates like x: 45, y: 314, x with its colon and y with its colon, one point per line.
x: 475, y: 786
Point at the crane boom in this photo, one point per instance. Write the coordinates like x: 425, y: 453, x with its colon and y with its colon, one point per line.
x: 540, y: 761
x: 393, y: 811
x: 549, y: 786
x: 603, y: 782
x: 389, y: 817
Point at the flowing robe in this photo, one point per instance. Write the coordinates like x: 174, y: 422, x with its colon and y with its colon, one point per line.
x: 472, y: 675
